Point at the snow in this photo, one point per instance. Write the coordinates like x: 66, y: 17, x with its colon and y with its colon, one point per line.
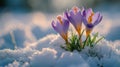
x: 46, y: 52
x: 17, y: 64
x: 34, y: 51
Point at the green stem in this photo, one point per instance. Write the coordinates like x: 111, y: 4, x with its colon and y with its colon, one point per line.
x: 80, y: 38
x: 86, y: 41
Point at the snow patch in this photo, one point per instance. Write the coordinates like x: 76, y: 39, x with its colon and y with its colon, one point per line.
x: 48, y: 53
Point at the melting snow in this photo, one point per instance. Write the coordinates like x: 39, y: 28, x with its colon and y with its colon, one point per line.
x: 47, y: 53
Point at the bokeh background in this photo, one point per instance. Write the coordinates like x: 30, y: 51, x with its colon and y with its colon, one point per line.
x: 26, y: 21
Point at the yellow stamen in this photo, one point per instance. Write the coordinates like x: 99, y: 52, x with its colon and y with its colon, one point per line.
x: 60, y: 19
x: 75, y: 10
x: 90, y: 18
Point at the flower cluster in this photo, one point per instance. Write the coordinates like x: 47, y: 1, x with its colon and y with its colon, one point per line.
x: 76, y: 17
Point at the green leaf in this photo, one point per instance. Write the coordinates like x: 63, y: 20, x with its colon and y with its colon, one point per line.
x: 99, y: 40
x: 81, y: 34
x: 85, y: 42
x: 75, y: 42
x: 89, y: 41
x: 94, y: 38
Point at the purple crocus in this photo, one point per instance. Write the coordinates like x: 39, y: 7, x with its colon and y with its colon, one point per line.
x: 61, y: 26
x: 75, y: 17
x: 90, y: 19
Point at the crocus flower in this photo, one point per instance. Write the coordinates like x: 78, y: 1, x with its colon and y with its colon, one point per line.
x: 61, y: 26
x: 90, y: 19
x: 75, y: 17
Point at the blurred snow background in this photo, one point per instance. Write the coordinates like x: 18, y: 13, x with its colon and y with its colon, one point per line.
x: 29, y: 21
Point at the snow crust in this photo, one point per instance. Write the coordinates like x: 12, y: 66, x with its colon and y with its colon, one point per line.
x: 47, y: 52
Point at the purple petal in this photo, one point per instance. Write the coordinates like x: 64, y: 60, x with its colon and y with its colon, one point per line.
x: 69, y: 17
x: 65, y: 14
x: 53, y: 25
x: 86, y: 24
x: 98, y: 20
x: 71, y: 13
x: 57, y: 27
x: 90, y: 26
x: 65, y: 25
x: 75, y: 18
x: 95, y: 17
x: 83, y: 12
x: 85, y: 21
x: 78, y: 17
x: 88, y: 12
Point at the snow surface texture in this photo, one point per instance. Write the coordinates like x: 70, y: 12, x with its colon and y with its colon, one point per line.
x: 47, y: 53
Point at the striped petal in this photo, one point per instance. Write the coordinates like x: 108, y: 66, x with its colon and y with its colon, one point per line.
x: 57, y: 27
x: 65, y: 25
x: 75, y: 17
x: 98, y: 20
x: 91, y: 19
x: 95, y: 17
x: 61, y: 26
